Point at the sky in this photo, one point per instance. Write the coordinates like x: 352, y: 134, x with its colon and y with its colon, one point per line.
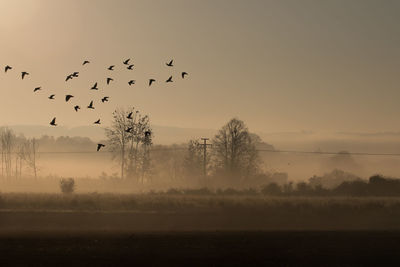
x: 280, y: 66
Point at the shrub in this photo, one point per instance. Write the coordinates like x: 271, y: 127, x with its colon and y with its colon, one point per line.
x: 199, y: 191
x: 174, y: 191
x: 271, y: 189
x: 67, y: 185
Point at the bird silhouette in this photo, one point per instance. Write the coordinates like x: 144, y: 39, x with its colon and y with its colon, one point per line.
x: 169, y: 80
x: 129, y: 115
x: 183, y: 74
x: 111, y: 67
x: 23, y: 74
x: 52, y: 96
x: 170, y: 63
x: 91, y: 105
x: 85, y: 62
x: 151, y: 81
x: 37, y: 89
x: 97, y: 122
x: 130, y: 67
x: 131, y: 82
x: 75, y: 74
x: 126, y: 62
x: 129, y: 129
x: 53, y: 122
x: 69, y: 77
x: 77, y: 108
x: 94, y: 87
x: 99, y: 146
x: 104, y: 99
x: 109, y: 80
x: 7, y: 68
x: 68, y: 97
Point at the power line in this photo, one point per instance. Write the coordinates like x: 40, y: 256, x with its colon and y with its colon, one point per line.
x: 329, y: 153
x: 260, y: 150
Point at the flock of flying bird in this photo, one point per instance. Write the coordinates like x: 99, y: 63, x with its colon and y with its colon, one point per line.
x: 73, y: 75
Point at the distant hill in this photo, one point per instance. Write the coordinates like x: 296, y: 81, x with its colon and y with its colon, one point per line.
x: 311, y: 141
x: 162, y: 134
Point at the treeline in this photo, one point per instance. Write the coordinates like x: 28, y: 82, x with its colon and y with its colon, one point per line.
x: 65, y: 144
x: 232, y: 159
x: 20, y: 154
x: 17, y: 152
x: 377, y: 185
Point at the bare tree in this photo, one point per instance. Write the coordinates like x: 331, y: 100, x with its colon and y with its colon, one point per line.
x: 193, y: 161
x: 138, y: 152
x: 19, y: 160
x: 127, y: 139
x: 234, y: 150
x: 168, y: 167
x: 118, y: 137
x: 7, y: 137
x: 29, y: 154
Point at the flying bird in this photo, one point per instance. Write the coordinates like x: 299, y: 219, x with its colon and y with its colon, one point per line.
x: 77, y: 108
x: 183, y: 75
x: 129, y: 129
x: 104, y: 99
x: 170, y: 63
x: 7, y: 68
x: 109, y: 80
x: 52, y: 96
x: 75, y: 74
x: 131, y: 82
x: 129, y: 115
x: 97, y: 122
x: 94, y: 87
x: 91, y: 105
x: 169, y: 80
x: 85, y: 62
x: 68, y: 97
x: 53, y: 122
x: 130, y: 67
x: 37, y: 89
x: 151, y: 81
x: 69, y: 77
x: 23, y: 74
x: 111, y: 67
x: 126, y: 62
x: 100, y: 146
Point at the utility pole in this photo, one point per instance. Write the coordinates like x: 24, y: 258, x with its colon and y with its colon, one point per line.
x: 205, y: 155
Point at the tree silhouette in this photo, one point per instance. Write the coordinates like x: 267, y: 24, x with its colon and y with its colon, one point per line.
x: 29, y: 154
x: 129, y: 139
x: 234, y: 151
x: 193, y: 160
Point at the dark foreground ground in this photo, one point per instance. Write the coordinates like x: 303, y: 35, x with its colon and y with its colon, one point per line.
x: 146, y: 230
x: 282, y: 248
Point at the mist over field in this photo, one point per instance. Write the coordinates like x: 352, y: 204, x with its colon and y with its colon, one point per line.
x: 199, y: 133
x: 77, y: 163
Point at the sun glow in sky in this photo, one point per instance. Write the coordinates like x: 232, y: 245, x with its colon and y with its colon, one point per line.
x: 278, y: 65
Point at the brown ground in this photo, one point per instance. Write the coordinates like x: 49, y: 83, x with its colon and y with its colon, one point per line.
x: 200, y: 249
x: 350, y: 232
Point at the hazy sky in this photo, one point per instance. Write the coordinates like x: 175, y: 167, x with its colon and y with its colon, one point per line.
x: 278, y: 65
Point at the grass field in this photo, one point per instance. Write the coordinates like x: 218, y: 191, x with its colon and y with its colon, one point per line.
x: 149, y: 212
x: 171, y: 202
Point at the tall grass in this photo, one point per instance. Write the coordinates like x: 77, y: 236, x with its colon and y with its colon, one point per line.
x: 192, y: 203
